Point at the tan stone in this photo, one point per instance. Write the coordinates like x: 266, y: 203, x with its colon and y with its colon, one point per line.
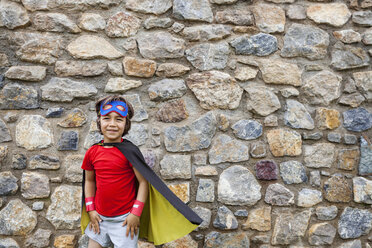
x: 185, y: 242
x: 76, y: 118
x: 121, y: 85
x: 139, y: 67
x: 122, y: 24
x: 181, y: 190
x: 363, y: 81
x: 338, y: 189
x: 142, y: 244
x: 172, y: 111
x: 347, y: 36
x: 245, y: 73
x: 327, y: 118
x: 284, y: 142
x: 206, y: 171
x: 259, y: 219
x: 54, y: 22
x: 348, y: 159
x: 171, y: 70
x: 276, y: 71
x: 69, y: 68
x: 26, y: 73
x: 64, y: 241
x: 334, y: 14
x: 261, y: 99
x: 223, y: 122
x: 3, y: 59
x: 269, y: 18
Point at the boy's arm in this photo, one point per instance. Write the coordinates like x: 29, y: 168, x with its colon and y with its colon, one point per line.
x: 90, y: 191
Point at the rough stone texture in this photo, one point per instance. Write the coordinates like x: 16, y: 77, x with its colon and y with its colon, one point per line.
x: 54, y: 22
x: 297, y: 116
x: 39, y: 239
x: 157, y: 23
x: 122, y: 24
x: 367, y: 37
x: 284, y: 142
x: 226, y: 149
x: 4, y: 132
x: 350, y: 139
x: 140, y: 112
x: 72, y: 164
x: 258, y: 150
x: 296, y: 12
x: 43, y: 162
x: 293, y: 172
x: 160, y: 45
x: 16, y: 218
x: 13, y: 15
x: 167, y: 89
x: 334, y: 14
x: 337, y: 189
x: 233, y: 16
x: 327, y: 118
x: 362, y: 18
x: 357, y: 120
x: 309, y: 197
x: 266, y: 170
x: 326, y: 213
x: 315, y: 179
x: 193, y: 10
x: 139, y: 67
x: 269, y: 18
x: 245, y: 73
x: 238, y: 186
x: 206, y: 171
x: 64, y: 210
x: 68, y: 68
x: 363, y: 81
x: 348, y: 159
x: 322, y: 234
x: 208, y: 56
x: 289, y: 228
x: 261, y: 100
x: 34, y: 132
x: 54, y: 112
x: 346, y: 57
x: 172, y: 111
x: 206, y: 32
x: 278, y: 195
x: 76, y: 118
x: 226, y: 240
x: 16, y: 96
x: 304, y: 40
x: 19, y: 162
x: 121, y: 85
x: 26, y: 73
x: 205, y: 214
x: 92, y: 22
x: 347, y: 36
x: 176, y: 166
x: 33, y: 5
x: 259, y: 219
x: 354, y: 100
x: 364, y: 167
x: 260, y: 44
x: 352, y: 244
x: 65, y: 90
x: 34, y: 185
x: 279, y: 72
x: 362, y: 189
x: 354, y: 223
x: 319, y: 155
x: 171, y: 70
x: 225, y: 219
x: 247, y: 129
x: 64, y: 241
x: 92, y: 47
x: 215, y: 89
x: 138, y: 134
x: 8, y: 183
x: 186, y: 241
x: 181, y: 190
x: 156, y: 7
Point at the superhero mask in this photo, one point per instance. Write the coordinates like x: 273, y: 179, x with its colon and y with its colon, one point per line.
x: 113, y: 107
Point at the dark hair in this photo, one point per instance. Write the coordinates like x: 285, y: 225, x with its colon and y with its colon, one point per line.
x: 109, y: 99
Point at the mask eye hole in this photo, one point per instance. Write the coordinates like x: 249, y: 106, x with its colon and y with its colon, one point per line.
x: 106, y: 107
x: 121, y: 108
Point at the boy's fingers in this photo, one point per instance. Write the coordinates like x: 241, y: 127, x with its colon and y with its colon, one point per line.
x: 125, y: 222
x: 132, y: 233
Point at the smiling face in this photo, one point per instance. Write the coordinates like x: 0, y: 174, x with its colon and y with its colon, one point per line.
x: 112, y: 127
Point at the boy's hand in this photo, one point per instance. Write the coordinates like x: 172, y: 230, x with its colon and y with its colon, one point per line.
x: 132, y: 222
x: 94, y: 221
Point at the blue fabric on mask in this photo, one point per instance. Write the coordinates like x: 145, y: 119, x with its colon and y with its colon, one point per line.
x: 114, y: 108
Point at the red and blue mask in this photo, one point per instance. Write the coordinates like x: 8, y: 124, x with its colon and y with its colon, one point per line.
x: 113, y: 107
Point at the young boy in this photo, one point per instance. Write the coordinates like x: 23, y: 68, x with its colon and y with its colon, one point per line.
x: 113, y: 205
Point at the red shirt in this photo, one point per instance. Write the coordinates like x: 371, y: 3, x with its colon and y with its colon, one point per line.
x: 115, y: 180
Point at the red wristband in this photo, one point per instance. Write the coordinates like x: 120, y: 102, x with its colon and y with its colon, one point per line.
x: 89, y: 204
x: 137, y: 208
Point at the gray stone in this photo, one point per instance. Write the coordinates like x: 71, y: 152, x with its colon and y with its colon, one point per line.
x: 130, y: 44
x: 44, y: 162
x: 66, y: 90
x: 241, y: 213
x: 354, y: 223
x: 245, y: 73
x: 247, y: 129
x: 367, y: 37
x: 65, y: 207
x: 8, y: 243
x: 16, y: 96
x: 34, y: 132
x: 4, y: 59
x: 348, y: 36
x: 72, y: 164
x: 350, y: 139
x: 234, y: 16
x: 198, y: 135
x: 39, y: 239
x: 362, y: 189
x: 334, y: 137
x: 160, y: 45
x: 305, y: 40
x: 17, y: 218
x: 11, y: 117
x: 322, y: 88
x: 315, y: 179
x: 215, y: 89
x: 223, y: 1
x: 156, y: 7
x: 277, y: 71
x: 363, y: 81
x: 13, y: 15
x: 68, y: 141
x: 81, y: 4
x: 67, y: 68
x: 92, y: 22
x: 326, y: 213
x: 261, y: 99
x: 138, y: 134
x: 4, y: 132
x: 309, y: 197
x: 54, y: 112
x: 293, y: 172
x: 206, y: 215
x: 34, y: 5
x: 322, y: 234
x: 319, y: 155
x: 218, y: 153
x: 278, y: 195
x: 26, y: 73
x: 34, y: 185
x: 260, y: 44
x: 115, y: 68
x: 171, y: 70
x: 354, y: 100
x: 54, y: 22
x: 177, y: 27
x: 365, y: 161
x: 225, y: 219
x: 350, y: 86
x: 157, y: 23
x: 205, y: 191
x: 296, y: 12
x: 121, y: 85
x: 297, y: 116
x: 351, y: 244
x: 38, y: 206
x: 122, y: 24
x: 193, y: 10
x: 258, y: 150
x: 271, y: 121
x: 290, y: 228
x: 8, y: 183
x: 357, y: 120
x: 167, y: 89
x: 363, y: 18
x: 346, y: 57
x: 176, y: 166
x: 334, y: 14
x: 208, y: 56
x: 269, y: 18
x: 238, y: 186
x: 140, y: 112
x: 226, y: 240
x: 93, y: 136
x: 312, y: 136
x: 206, y: 32
x: 84, y: 241
x: 19, y: 161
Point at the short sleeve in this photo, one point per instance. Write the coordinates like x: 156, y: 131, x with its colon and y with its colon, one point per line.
x: 87, y: 162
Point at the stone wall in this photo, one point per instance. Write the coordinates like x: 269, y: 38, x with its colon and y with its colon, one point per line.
x: 256, y: 113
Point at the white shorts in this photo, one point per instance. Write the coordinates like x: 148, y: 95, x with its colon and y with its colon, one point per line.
x: 112, y: 232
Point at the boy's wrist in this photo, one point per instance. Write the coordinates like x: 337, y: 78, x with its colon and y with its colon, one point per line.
x: 137, y: 208
x: 89, y: 204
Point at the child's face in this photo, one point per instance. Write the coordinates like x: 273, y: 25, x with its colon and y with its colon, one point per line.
x: 112, y: 127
